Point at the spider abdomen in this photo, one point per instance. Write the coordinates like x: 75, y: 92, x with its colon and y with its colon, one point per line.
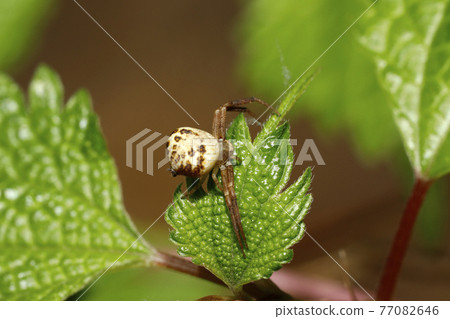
x: 192, y: 152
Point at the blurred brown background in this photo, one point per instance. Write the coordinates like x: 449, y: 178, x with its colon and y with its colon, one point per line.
x: 190, y: 49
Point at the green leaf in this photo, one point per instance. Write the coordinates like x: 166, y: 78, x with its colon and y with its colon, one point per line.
x: 272, y: 220
x: 62, y: 221
x: 279, y: 40
x: 21, y: 23
x: 410, y: 43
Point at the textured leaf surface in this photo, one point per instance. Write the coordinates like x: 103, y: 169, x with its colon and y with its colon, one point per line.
x: 272, y: 219
x: 410, y: 42
x: 62, y: 221
x: 279, y: 40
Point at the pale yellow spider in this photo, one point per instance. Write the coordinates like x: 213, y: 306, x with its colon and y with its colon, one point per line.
x: 195, y: 153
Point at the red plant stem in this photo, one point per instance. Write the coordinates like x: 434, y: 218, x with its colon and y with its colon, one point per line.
x: 401, y: 241
x: 180, y: 264
x: 263, y: 289
x: 304, y: 287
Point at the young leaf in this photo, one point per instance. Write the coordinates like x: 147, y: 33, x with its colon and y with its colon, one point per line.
x: 62, y: 221
x: 410, y: 43
x: 272, y: 220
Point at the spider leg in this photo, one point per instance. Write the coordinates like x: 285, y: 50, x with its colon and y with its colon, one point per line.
x: 214, y: 177
x: 227, y: 173
x: 198, y: 183
x: 219, y: 129
x: 226, y: 169
x: 236, y: 105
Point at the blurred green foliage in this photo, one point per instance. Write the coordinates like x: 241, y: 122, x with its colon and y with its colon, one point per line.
x: 410, y: 44
x: 279, y: 40
x: 434, y: 216
x: 151, y: 284
x: 21, y: 24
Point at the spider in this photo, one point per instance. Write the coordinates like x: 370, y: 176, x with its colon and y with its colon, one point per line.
x: 193, y: 152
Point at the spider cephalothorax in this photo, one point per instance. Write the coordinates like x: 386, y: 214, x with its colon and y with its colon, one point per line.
x: 193, y: 152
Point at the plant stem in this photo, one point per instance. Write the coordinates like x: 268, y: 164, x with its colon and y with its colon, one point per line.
x: 260, y: 290
x: 180, y: 264
x: 401, y: 241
